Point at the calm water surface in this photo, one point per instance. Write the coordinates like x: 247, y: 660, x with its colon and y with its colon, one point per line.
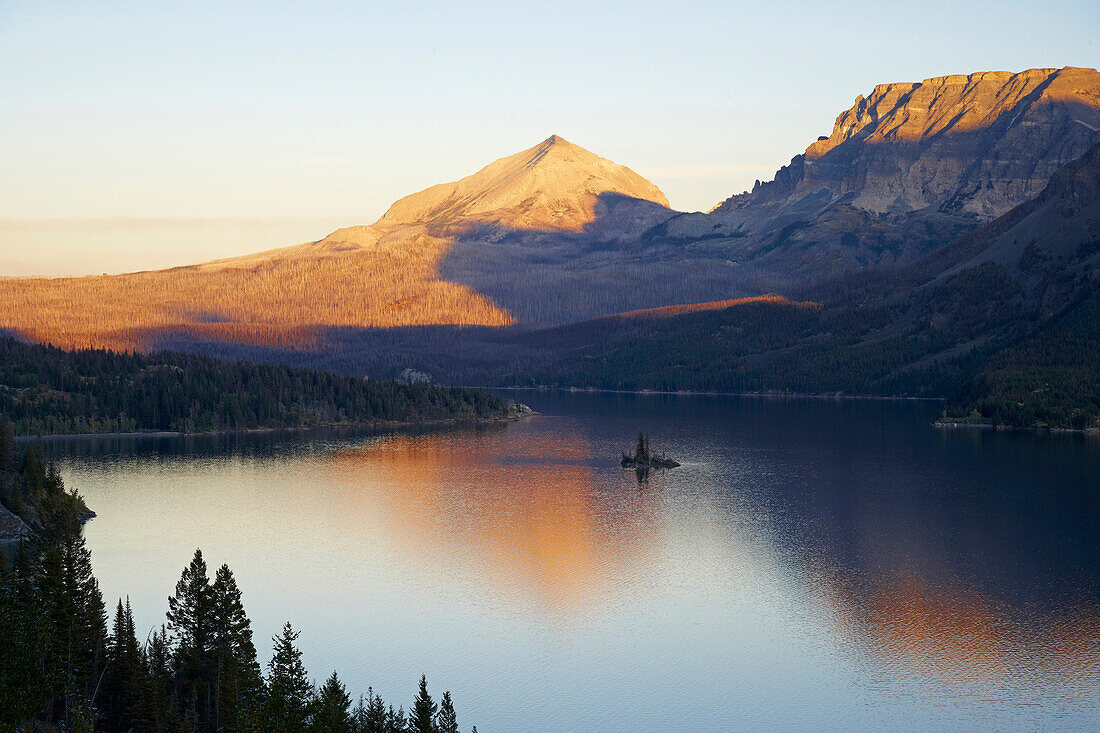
x: 812, y: 565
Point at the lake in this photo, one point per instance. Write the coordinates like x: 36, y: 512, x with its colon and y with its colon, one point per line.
x: 813, y: 564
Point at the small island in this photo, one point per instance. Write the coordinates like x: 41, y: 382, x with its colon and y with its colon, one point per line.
x: 642, y: 458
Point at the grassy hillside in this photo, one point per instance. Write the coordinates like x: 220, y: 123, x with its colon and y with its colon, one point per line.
x: 278, y: 298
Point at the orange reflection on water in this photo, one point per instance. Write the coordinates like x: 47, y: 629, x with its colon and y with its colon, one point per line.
x: 960, y: 638
x: 528, y: 514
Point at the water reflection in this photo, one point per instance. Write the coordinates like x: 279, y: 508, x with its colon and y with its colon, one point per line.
x: 534, y: 515
x: 831, y: 566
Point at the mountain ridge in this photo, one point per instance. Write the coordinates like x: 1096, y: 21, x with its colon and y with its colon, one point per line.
x: 918, y: 163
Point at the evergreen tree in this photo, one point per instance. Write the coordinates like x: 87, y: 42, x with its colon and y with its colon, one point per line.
x: 331, y: 712
x: 29, y: 680
x: 7, y: 463
x: 190, y: 631
x: 237, y: 677
x: 359, y: 716
x: 446, y: 722
x: 396, y: 722
x: 289, y: 691
x: 422, y: 715
x: 124, y: 688
x: 371, y: 717
x: 189, y: 610
x: 70, y: 596
x: 33, y: 473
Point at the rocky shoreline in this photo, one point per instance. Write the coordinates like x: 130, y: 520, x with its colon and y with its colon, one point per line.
x: 951, y: 423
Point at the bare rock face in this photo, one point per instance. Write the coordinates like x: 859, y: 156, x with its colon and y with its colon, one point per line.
x: 554, y: 186
x: 12, y: 528
x: 931, y: 156
x: 980, y: 144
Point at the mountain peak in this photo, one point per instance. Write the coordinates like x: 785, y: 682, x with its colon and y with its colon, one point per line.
x: 555, y: 185
x: 973, y: 144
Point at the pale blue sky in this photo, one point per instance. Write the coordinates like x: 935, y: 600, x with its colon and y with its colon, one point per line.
x: 321, y: 114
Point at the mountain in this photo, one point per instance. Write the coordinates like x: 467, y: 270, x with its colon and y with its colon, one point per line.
x: 894, y: 256
x: 908, y: 169
x: 368, y: 277
x: 1005, y: 321
x: 554, y: 186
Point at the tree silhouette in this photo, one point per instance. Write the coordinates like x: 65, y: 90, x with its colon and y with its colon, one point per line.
x: 331, y: 713
x: 446, y: 722
x: 422, y: 716
x: 290, y: 694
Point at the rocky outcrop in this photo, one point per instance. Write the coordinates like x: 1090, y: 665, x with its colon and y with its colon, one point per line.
x: 12, y: 528
x: 932, y: 156
x: 1052, y: 240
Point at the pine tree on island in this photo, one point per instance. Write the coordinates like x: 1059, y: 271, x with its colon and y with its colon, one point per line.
x: 643, y: 458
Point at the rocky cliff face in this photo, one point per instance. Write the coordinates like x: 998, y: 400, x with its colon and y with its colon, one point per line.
x: 12, y: 528
x: 1051, y: 240
x: 930, y: 155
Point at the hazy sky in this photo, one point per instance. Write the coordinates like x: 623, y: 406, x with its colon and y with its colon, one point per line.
x: 143, y: 134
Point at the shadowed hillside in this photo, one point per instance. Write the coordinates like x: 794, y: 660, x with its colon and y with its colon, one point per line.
x: 1003, y: 320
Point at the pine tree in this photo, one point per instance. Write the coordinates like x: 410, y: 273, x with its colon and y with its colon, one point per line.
x: 190, y: 631
x: 422, y: 715
x: 189, y: 610
x: 237, y: 677
x: 446, y: 722
x: 33, y: 473
x: 289, y: 692
x: 7, y: 462
x: 70, y: 593
x: 331, y: 709
x: 372, y: 717
x: 396, y: 722
x: 125, y: 679
x: 28, y: 679
x: 359, y: 716
x: 160, y: 678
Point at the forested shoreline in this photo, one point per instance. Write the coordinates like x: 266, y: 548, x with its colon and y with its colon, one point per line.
x: 63, y: 668
x: 992, y: 357
x: 46, y: 390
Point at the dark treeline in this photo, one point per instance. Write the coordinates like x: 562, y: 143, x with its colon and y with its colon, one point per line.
x: 1052, y: 378
x: 977, y: 338
x: 47, y: 390
x: 63, y: 667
